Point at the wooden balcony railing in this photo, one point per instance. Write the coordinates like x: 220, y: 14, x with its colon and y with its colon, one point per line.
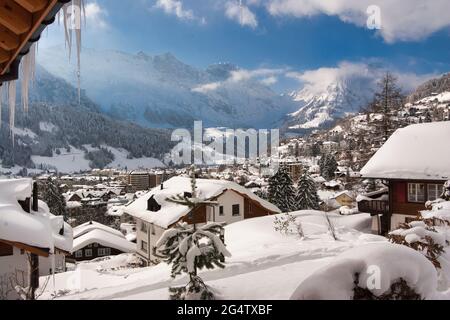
x: 373, y: 206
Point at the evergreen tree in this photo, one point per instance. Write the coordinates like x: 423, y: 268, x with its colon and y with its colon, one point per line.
x: 189, y: 248
x: 328, y: 166
x: 51, y: 194
x: 281, y: 191
x: 307, y: 197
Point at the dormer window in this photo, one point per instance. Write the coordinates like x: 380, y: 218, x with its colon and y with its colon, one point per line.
x: 152, y: 205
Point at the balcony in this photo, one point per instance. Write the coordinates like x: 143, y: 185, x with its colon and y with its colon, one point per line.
x: 374, y: 207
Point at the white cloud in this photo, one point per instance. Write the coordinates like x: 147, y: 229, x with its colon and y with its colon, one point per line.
x: 264, y: 75
x: 175, y: 7
x: 316, y: 81
x: 96, y: 16
x: 401, y: 20
x: 269, y: 81
x: 205, y: 88
x: 243, y: 74
x: 241, y: 14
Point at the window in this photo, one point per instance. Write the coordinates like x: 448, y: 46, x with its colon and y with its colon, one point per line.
x: 416, y: 192
x: 144, y: 227
x: 236, y: 210
x: 153, y: 229
x: 144, y: 246
x: 78, y: 254
x: 221, y: 211
x: 435, y: 191
x: 88, y: 253
x: 101, y: 252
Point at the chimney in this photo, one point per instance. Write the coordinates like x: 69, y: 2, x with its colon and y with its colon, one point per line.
x: 35, y: 206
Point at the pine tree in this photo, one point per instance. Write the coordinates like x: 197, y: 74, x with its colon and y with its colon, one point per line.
x: 281, y: 191
x: 51, y: 194
x: 189, y: 248
x: 328, y: 166
x: 307, y: 197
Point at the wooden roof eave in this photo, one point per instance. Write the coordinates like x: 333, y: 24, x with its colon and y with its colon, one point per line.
x: 10, y: 71
x: 38, y: 251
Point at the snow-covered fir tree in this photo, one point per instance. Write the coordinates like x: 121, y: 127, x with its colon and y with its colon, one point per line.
x: 281, y: 191
x: 328, y: 166
x: 306, y: 196
x: 51, y: 194
x: 189, y: 248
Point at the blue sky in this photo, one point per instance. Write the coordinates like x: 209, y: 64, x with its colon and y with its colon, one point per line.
x: 299, y: 35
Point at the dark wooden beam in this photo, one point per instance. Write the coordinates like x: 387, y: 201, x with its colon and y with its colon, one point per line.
x: 38, y: 251
x: 8, y: 40
x: 32, y: 5
x: 15, y: 17
x: 4, y: 55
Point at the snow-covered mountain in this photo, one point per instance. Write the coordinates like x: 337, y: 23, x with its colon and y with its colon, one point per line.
x: 58, y: 133
x: 161, y: 91
x: 334, y: 97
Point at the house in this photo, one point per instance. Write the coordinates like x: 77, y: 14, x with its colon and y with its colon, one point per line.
x: 93, y: 240
x: 332, y: 185
x: 154, y: 214
x: 139, y: 180
x: 33, y: 242
x: 344, y: 198
x: 414, y: 165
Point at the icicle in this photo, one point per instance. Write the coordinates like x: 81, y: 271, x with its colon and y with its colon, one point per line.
x: 12, y: 106
x: 73, y: 11
x: 28, y: 73
x: 53, y: 274
x: 79, y: 4
x: 67, y: 33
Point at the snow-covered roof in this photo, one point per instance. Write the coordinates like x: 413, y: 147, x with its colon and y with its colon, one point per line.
x: 37, y: 229
x: 103, y: 238
x: 346, y: 192
x: 171, y: 212
x: 92, y: 225
x: 420, y: 151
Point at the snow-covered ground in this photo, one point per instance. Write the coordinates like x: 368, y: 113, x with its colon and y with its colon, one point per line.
x: 265, y: 265
x: 75, y: 161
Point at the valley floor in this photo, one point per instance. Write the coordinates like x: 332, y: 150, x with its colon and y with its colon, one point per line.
x: 265, y: 265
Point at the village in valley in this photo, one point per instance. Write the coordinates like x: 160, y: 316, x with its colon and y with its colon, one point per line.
x: 355, y: 209
x: 113, y: 232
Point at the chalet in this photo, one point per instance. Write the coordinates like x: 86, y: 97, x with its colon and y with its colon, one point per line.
x: 94, y: 240
x: 33, y: 242
x: 154, y: 214
x: 344, y: 198
x: 414, y: 165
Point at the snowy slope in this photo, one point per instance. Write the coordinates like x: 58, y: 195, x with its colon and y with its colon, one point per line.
x: 282, y: 261
x: 75, y: 160
x: 161, y: 91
